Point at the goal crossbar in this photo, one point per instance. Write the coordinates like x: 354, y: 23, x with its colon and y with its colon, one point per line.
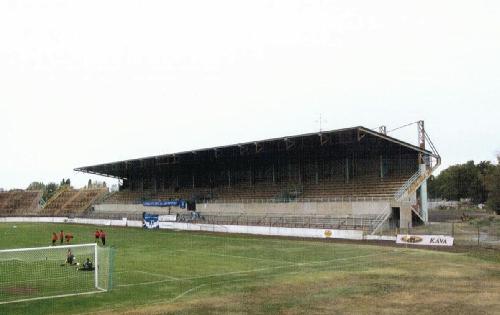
x: 47, y: 247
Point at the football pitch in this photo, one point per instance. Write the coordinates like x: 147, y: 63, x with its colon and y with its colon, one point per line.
x: 174, y: 272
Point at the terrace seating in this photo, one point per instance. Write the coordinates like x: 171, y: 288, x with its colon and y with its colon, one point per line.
x: 72, y: 201
x: 19, y: 202
x: 361, y: 187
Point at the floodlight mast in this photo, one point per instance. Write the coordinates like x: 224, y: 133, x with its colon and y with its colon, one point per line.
x: 423, y: 162
x: 421, y: 140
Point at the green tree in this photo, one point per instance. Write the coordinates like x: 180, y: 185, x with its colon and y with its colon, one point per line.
x: 461, y: 181
x: 65, y: 182
x: 50, y: 190
x: 493, y: 187
x: 36, y: 186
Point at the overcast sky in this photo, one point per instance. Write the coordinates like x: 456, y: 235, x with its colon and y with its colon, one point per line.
x: 86, y: 82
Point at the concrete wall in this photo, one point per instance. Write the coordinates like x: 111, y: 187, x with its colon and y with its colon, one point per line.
x: 298, y: 208
x: 137, y: 208
x: 358, y: 208
x: 405, y: 213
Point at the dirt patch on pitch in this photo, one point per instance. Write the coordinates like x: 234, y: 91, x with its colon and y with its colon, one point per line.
x: 20, y: 290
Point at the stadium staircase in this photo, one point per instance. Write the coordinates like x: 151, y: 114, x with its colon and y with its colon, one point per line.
x: 414, y: 183
x: 380, y: 220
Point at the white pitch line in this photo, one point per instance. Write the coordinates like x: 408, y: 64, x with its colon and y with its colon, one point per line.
x: 248, y: 271
x: 267, y: 238
x: 234, y: 256
x: 204, y: 285
x: 162, y: 301
x: 187, y: 292
x: 155, y: 274
x: 147, y: 273
x: 52, y: 297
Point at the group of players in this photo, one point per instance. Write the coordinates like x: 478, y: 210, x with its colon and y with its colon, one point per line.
x: 71, y: 261
x: 62, y: 236
x: 99, y: 235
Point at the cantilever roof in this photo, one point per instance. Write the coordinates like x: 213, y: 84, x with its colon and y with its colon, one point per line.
x: 105, y: 169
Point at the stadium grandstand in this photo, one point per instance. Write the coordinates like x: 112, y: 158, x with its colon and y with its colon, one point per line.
x: 72, y: 202
x: 20, y: 202
x: 353, y: 178
x: 65, y: 202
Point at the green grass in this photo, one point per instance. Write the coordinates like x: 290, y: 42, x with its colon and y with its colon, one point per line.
x: 29, y: 280
x: 159, y: 272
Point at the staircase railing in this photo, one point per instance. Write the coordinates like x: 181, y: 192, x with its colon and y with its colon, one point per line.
x: 380, y: 220
x: 406, y: 186
x: 420, y: 176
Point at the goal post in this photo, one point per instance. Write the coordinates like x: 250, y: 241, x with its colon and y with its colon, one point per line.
x: 43, y: 273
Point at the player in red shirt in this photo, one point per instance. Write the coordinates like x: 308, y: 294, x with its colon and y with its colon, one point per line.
x: 54, y: 238
x: 68, y: 237
x: 103, y: 237
x: 61, y: 236
x: 97, y: 236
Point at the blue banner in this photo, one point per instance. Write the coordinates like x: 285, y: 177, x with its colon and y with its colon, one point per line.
x: 169, y: 203
x: 150, y: 221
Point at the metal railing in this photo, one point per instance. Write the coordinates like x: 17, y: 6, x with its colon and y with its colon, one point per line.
x: 406, y: 186
x: 324, y: 222
x: 381, y: 219
x: 300, y: 200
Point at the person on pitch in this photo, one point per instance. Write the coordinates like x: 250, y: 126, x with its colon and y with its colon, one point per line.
x: 97, y: 236
x: 68, y: 237
x: 103, y: 237
x: 87, y: 266
x: 70, y: 258
x: 61, y: 236
x: 54, y: 238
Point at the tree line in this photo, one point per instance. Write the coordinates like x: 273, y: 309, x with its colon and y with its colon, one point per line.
x: 478, y: 182
x: 49, y: 190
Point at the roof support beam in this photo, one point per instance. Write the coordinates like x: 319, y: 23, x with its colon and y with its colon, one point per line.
x: 401, y: 143
x: 361, y: 135
x: 382, y: 130
x: 258, y: 147
x: 243, y: 149
x: 289, y: 143
x: 323, y: 139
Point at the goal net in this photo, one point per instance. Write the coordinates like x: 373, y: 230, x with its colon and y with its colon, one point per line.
x: 46, y: 272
